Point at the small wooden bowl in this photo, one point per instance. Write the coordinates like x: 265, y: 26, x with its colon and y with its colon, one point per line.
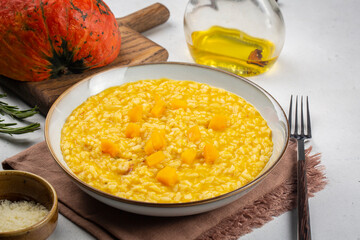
x: 19, y: 185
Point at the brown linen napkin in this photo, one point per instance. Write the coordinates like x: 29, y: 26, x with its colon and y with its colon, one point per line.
x: 272, y: 197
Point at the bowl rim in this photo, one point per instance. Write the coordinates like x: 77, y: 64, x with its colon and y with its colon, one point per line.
x: 153, y: 204
x: 54, y: 206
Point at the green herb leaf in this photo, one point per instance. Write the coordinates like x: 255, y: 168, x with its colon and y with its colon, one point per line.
x: 14, y: 111
x: 4, y: 128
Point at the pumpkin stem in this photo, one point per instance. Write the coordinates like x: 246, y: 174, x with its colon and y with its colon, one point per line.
x: 62, y: 63
x: 63, y: 71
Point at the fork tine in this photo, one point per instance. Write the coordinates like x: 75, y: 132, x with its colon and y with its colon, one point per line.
x: 302, y: 127
x: 308, y: 118
x: 290, y: 112
x: 296, y: 118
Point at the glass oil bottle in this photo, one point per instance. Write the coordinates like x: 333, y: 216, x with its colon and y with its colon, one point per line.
x: 241, y: 36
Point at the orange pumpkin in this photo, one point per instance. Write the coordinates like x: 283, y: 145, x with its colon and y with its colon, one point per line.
x: 42, y: 39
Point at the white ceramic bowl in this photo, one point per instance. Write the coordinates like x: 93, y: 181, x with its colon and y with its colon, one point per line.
x: 259, y: 98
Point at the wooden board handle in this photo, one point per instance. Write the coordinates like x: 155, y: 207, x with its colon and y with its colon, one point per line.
x: 146, y: 18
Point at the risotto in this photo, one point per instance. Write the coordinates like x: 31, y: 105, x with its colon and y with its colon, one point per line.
x: 166, y: 141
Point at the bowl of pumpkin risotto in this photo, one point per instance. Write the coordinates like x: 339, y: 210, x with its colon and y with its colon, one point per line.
x: 166, y: 139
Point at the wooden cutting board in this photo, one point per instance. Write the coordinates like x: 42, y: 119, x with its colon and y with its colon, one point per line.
x: 135, y: 49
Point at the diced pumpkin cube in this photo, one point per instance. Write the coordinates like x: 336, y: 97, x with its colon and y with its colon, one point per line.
x: 167, y: 176
x: 158, y: 139
x: 156, y: 142
x: 135, y: 114
x: 194, y: 134
x: 132, y: 130
x: 188, y: 156
x: 162, y: 132
x: 210, y: 153
x: 109, y: 147
x: 177, y: 103
x: 157, y: 98
x: 218, y: 122
x: 149, y: 148
x: 155, y: 158
x: 159, y: 108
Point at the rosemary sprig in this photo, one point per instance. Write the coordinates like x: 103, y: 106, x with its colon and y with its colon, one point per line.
x: 4, y: 128
x: 14, y: 112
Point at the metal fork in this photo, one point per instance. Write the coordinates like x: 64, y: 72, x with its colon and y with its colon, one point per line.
x: 304, y: 231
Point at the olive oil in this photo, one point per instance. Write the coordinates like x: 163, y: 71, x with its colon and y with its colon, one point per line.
x: 232, y: 50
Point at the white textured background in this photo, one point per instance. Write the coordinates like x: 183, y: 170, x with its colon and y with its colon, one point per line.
x: 320, y: 58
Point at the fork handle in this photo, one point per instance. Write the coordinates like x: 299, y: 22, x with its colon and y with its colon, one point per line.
x: 304, y: 231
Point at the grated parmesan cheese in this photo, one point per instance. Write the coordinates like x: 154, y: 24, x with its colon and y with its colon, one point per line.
x: 20, y: 214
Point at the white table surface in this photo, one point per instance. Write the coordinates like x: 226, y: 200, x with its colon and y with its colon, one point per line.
x: 320, y: 58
